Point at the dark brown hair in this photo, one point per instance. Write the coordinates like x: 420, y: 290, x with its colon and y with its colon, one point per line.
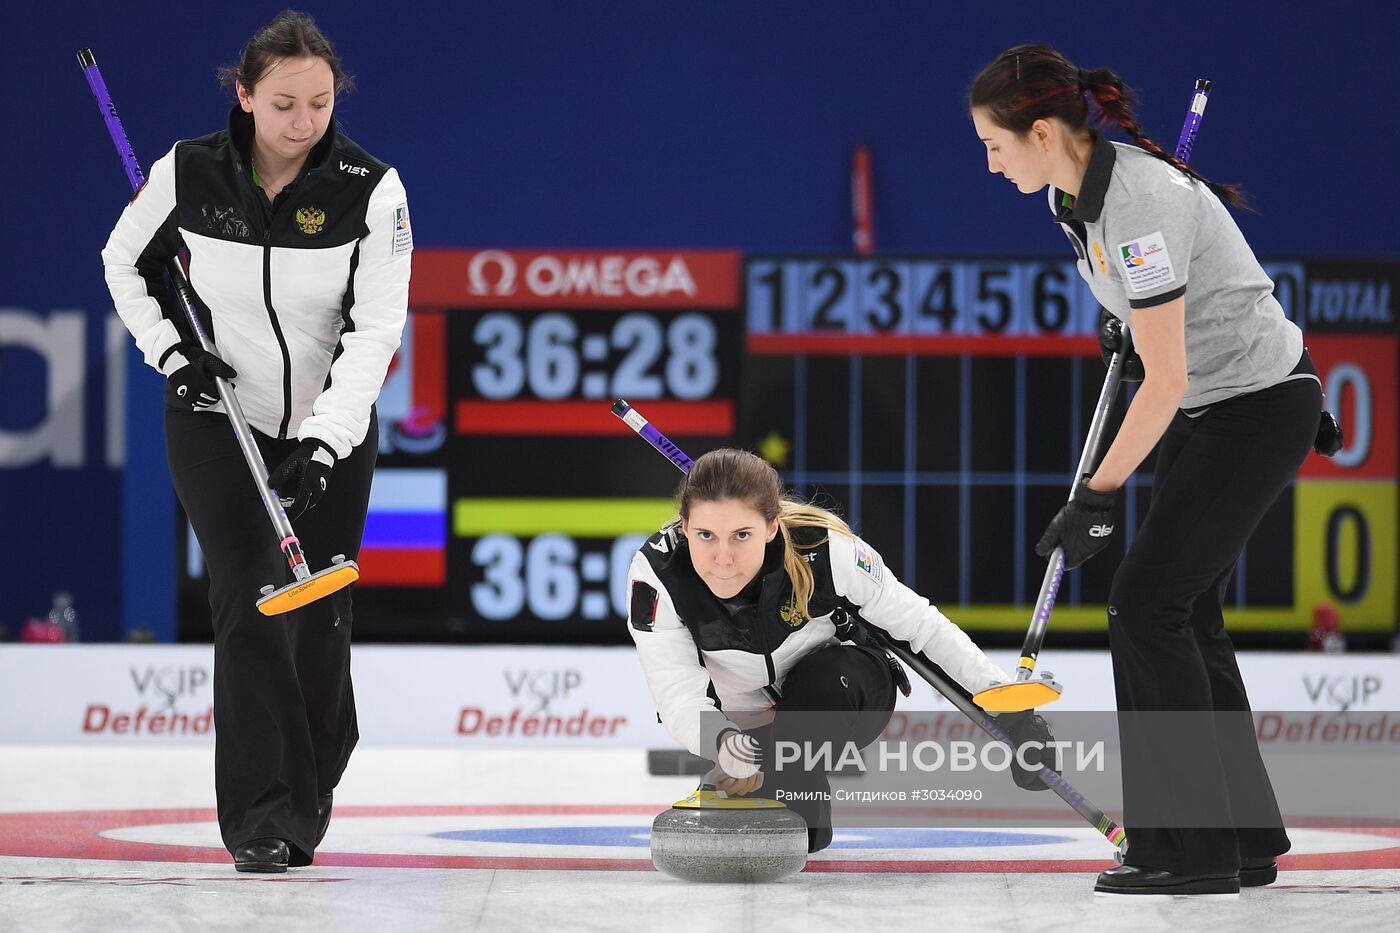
x: 1035, y: 82
x: 745, y: 477
x: 290, y: 35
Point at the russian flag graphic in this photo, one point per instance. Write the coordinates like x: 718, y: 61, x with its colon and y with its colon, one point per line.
x: 405, y: 540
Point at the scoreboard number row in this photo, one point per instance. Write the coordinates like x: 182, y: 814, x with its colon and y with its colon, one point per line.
x: 919, y: 297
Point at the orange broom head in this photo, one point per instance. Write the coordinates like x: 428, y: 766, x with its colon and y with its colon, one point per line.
x: 1017, y: 696
x: 319, y: 584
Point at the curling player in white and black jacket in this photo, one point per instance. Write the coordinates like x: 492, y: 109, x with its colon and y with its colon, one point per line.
x: 299, y: 248
x: 748, y: 613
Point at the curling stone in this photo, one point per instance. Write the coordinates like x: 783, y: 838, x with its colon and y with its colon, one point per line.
x: 711, y: 837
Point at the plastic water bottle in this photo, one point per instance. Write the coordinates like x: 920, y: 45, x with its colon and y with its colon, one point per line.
x: 64, y: 616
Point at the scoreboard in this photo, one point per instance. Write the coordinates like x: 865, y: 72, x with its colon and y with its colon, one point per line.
x: 937, y: 403
x: 943, y: 403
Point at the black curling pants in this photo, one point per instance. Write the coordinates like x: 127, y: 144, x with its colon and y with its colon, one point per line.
x: 1185, y: 791
x: 284, y: 710
x: 838, y: 695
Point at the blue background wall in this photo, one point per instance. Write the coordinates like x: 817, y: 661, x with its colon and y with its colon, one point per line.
x: 629, y: 123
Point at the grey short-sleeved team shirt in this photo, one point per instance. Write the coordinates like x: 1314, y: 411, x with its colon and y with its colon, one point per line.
x: 1146, y: 233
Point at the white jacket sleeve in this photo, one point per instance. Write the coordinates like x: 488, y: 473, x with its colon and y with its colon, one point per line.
x: 378, y: 309
x: 862, y: 578
x: 133, y: 262
x: 677, y: 679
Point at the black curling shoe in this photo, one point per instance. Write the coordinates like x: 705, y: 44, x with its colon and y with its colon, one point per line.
x: 1138, y: 879
x: 323, y: 816
x: 266, y: 856
x: 1257, y: 872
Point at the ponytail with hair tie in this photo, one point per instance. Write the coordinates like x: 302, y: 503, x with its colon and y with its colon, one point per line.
x: 1047, y: 85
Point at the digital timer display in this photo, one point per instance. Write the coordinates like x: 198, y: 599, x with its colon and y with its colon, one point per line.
x: 552, y: 577
x: 549, y: 356
x: 545, y: 563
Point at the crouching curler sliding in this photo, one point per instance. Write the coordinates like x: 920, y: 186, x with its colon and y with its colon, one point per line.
x: 774, y: 607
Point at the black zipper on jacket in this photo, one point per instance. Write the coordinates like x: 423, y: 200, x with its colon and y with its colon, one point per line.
x: 268, y: 215
x: 267, y: 209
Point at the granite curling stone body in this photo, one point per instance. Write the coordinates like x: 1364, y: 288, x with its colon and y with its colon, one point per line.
x: 710, y: 837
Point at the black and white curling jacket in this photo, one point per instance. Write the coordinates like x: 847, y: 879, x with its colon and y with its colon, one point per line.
x: 305, y: 298
x: 700, y: 655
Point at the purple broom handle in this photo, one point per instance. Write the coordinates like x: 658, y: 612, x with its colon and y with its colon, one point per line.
x: 655, y: 438
x: 114, y: 122
x: 1199, y: 97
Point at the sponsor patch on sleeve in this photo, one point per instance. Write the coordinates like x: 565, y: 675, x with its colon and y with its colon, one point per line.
x: 1145, y: 263
x: 403, y: 231
x: 642, y: 607
x: 869, y: 561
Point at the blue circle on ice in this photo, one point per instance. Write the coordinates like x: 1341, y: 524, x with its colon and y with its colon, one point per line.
x: 640, y: 836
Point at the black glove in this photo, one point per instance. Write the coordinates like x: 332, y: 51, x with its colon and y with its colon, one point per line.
x: 192, y: 386
x: 1083, y: 527
x: 1111, y: 342
x: 1028, y: 727
x: 1329, y: 439
x: 302, y: 478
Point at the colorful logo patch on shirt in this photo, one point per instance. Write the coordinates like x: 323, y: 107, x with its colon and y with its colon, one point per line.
x: 1146, y: 263
x: 311, y: 219
x: 403, y: 231
x: 1098, y: 254
x: 791, y: 613
x: 869, y: 562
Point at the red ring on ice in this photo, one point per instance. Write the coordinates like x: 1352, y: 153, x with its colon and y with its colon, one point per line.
x: 77, y: 835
